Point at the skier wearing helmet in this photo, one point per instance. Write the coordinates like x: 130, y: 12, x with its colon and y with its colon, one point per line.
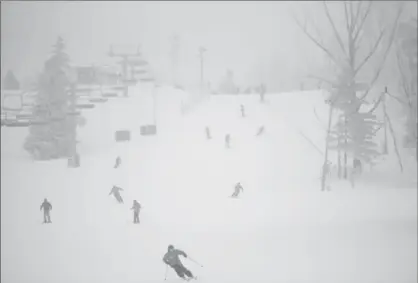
x: 171, y: 258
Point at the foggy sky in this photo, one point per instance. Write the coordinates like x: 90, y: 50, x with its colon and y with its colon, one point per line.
x: 238, y: 35
x: 257, y: 40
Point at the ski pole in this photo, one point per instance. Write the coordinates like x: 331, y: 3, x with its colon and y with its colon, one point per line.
x: 191, y: 259
x: 166, y: 270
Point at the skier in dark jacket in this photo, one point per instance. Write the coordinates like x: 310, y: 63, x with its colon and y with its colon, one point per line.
x: 262, y: 90
x: 46, y: 206
x: 171, y: 258
x: 238, y: 189
x: 118, y: 162
x: 260, y: 131
x: 227, y: 140
x: 116, y: 192
x: 208, y: 136
x: 136, y: 207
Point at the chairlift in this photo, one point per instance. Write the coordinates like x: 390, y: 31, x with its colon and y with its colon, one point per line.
x: 38, y: 122
x: 130, y: 81
x: 57, y: 119
x: 74, y: 113
x: 110, y: 94
x: 118, y: 87
x: 137, y: 62
x: 146, y: 79
x: 24, y: 116
x: 83, y: 90
x: 139, y: 72
x: 9, y: 109
x: 17, y: 124
x: 85, y: 106
x: 27, y: 104
x: 98, y: 100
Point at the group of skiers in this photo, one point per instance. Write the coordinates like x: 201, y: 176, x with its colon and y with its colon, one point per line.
x: 115, y: 191
x: 260, y: 130
x: 171, y: 257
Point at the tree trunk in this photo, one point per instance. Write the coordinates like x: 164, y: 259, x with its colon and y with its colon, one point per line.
x: 385, y: 130
x: 339, y: 158
x: 345, y: 148
x: 325, y: 167
x: 394, y: 142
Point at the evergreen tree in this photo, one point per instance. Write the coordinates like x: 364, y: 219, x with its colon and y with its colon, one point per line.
x: 52, y: 134
x: 227, y: 85
x: 10, y: 82
x: 354, y: 132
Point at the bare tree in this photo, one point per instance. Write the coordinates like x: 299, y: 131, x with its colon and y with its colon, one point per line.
x: 350, y: 41
x: 406, y: 55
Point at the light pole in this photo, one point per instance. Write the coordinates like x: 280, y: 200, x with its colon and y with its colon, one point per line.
x: 174, y: 57
x: 202, y: 50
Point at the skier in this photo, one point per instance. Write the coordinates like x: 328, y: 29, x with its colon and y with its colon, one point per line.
x: 116, y: 192
x: 171, y: 258
x: 326, y: 173
x: 46, y: 206
x: 356, y: 171
x: 208, y: 136
x: 357, y: 166
x: 262, y: 92
x: 118, y: 162
x: 242, y: 111
x: 136, y: 207
x: 238, y: 189
x: 227, y: 139
x: 260, y: 131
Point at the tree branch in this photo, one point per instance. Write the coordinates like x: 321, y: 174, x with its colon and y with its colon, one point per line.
x: 303, y: 28
x: 334, y: 29
x: 392, y: 132
x: 347, y: 19
x: 377, y: 103
x: 359, y: 38
x: 362, y: 21
x: 385, y: 55
x: 372, y: 51
x: 356, y: 17
x: 403, y: 79
x: 398, y: 99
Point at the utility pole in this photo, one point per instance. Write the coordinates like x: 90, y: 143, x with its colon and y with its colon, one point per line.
x: 202, y: 50
x: 126, y: 61
x: 174, y: 57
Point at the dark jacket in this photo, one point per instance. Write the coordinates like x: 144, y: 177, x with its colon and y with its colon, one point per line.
x: 172, y: 257
x: 136, y: 207
x: 46, y: 206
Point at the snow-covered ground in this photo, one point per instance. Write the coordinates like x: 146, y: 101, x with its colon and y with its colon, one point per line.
x: 282, y: 229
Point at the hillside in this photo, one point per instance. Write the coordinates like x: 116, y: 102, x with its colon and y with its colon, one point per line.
x: 282, y: 228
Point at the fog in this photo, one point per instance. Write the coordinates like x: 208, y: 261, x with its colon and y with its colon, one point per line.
x: 257, y: 40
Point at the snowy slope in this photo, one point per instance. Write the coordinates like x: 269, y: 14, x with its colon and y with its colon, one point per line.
x: 281, y: 230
